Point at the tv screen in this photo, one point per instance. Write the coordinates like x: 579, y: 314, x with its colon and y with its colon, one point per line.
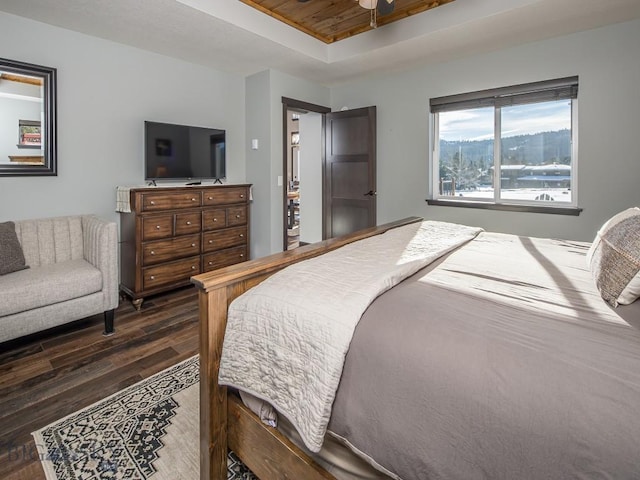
x: 181, y: 152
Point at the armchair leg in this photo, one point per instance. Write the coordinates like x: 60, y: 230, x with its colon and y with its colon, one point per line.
x: 108, y: 323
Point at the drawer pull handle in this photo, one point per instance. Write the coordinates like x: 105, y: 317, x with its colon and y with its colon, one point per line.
x: 193, y: 199
x: 210, y: 241
x: 210, y: 198
x: 193, y: 244
x: 215, y: 219
x: 241, y: 235
x: 210, y: 263
x: 237, y: 216
x: 242, y: 255
x: 152, y: 252
x: 152, y: 277
x: 152, y: 202
x: 157, y: 227
x: 193, y: 267
x: 241, y: 195
x: 188, y: 223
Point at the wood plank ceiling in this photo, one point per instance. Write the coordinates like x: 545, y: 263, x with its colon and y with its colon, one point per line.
x: 333, y: 20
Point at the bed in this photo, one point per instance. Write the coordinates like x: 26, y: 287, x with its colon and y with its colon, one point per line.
x: 488, y: 368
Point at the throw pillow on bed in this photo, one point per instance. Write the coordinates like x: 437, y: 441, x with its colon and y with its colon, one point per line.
x: 614, y: 258
x: 11, y: 255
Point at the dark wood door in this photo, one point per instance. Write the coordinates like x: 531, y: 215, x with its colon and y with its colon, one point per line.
x: 349, y: 193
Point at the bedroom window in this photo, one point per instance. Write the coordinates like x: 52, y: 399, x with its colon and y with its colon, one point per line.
x: 510, y: 148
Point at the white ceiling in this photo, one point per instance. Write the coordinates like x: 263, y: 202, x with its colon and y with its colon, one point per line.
x: 231, y: 36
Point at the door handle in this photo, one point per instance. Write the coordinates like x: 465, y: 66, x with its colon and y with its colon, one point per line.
x: 370, y: 193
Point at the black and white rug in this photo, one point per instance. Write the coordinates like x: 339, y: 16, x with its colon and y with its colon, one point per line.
x: 146, y: 431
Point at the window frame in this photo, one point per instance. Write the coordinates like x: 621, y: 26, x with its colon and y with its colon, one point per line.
x: 531, y: 93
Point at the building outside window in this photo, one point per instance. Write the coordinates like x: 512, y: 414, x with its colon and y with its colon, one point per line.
x: 512, y: 147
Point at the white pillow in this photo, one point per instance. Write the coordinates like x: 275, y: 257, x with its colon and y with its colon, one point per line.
x: 614, y: 258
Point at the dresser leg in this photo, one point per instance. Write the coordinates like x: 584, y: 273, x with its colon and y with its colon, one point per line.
x: 137, y: 303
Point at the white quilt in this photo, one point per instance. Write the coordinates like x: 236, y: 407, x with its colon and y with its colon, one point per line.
x: 287, y: 338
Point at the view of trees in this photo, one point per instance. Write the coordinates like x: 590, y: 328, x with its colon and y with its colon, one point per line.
x: 470, y: 162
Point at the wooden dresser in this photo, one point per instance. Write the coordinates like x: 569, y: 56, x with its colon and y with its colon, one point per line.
x: 173, y: 233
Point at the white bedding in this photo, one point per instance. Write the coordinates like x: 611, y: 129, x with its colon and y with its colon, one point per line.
x: 287, y: 338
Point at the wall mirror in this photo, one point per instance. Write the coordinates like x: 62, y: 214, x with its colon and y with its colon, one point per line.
x: 27, y: 119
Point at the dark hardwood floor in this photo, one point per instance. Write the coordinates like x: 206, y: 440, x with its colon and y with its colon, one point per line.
x: 49, y: 376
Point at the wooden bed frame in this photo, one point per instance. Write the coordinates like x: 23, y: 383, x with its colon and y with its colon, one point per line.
x: 224, y: 421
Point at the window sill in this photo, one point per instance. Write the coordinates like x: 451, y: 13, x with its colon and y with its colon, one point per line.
x: 510, y: 207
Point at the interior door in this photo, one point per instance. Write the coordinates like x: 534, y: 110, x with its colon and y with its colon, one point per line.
x: 349, y: 195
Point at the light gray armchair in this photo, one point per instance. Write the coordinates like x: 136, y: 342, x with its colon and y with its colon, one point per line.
x: 72, y: 274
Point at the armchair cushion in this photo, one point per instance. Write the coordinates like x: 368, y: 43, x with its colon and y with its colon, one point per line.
x: 47, y: 285
x: 11, y: 254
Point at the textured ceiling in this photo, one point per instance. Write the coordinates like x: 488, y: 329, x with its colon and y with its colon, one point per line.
x: 231, y: 36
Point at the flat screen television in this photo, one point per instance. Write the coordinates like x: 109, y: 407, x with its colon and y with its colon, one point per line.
x: 181, y: 152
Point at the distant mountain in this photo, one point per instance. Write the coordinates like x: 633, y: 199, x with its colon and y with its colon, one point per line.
x: 538, y: 149
x: 470, y: 162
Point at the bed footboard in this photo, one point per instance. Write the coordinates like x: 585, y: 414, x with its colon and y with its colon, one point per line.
x: 268, y: 453
x: 224, y: 421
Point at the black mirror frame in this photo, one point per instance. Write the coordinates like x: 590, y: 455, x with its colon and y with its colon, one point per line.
x: 48, y: 75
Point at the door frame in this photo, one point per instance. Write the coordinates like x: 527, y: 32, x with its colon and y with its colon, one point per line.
x: 298, y: 105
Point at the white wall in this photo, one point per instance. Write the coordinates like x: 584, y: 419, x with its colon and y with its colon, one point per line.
x: 608, y: 65
x: 310, y: 177
x: 105, y: 92
x: 258, y: 127
x: 265, y: 165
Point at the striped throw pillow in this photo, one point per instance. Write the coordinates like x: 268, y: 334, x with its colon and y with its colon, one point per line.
x: 614, y: 258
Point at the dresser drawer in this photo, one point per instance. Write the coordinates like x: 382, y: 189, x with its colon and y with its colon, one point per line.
x: 223, y: 258
x: 225, y: 196
x: 219, y: 239
x: 159, y: 226
x: 169, y: 273
x: 237, y: 215
x: 188, y: 223
x: 165, y: 250
x: 214, y: 218
x: 166, y: 201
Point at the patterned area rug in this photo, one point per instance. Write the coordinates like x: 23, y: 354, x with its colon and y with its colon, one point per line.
x: 146, y: 431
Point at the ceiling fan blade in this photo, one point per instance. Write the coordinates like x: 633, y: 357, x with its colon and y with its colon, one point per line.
x: 385, y: 6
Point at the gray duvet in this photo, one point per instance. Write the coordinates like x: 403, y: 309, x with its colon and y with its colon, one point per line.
x: 501, y: 362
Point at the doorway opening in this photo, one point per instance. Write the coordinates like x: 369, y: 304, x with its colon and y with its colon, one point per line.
x: 329, y: 172
x: 303, y: 157
x: 293, y: 178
